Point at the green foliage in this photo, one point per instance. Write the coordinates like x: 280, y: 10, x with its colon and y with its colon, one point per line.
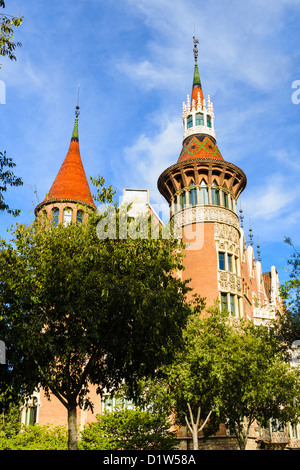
x: 7, y: 26
x: 79, y: 310
x: 233, y: 368
x: 290, y: 293
x: 9, y: 417
x: 103, y: 194
x: 36, y: 437
x: 128, y: 430
x: 7, y: 178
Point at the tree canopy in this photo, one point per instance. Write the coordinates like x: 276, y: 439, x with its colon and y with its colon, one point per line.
x: 8, y: 23
x: 78, y: 310
x: 229, y: 372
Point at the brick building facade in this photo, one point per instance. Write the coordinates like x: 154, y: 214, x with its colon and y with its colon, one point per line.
x: 202, y: 190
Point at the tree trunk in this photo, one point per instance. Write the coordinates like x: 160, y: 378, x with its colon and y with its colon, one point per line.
x: 72, y: 427
x: 195, y: 427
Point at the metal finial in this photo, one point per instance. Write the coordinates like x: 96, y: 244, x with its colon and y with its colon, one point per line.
x: 241, y: 218
x: 258, y: 253
x: 196, y: 41
x: 77, y: 107
x: 250, y: 234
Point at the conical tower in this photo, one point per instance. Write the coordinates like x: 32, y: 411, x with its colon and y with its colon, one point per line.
x: 202, y: 191
x: 69, y: 198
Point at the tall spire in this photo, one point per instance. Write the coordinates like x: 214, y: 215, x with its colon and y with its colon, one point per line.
x: 75, y: 135
x: 71, y: 183
x: 197, y: 87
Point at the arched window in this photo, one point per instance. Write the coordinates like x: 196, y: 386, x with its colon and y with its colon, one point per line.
x: 55, y: 215
x: 215, y: 194
x: 203, y: 193
x: 67, y: 215
x: 193, y: 195
x: 79, y: 217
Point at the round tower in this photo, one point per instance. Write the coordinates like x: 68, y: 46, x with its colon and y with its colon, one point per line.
x: 202, y: 191
x: 69, y: 198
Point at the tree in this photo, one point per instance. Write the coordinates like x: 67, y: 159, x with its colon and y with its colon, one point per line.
x: 7, y: 25
x: 7, y: 178
x: 128, y: 429
x: 290, y: 293
x: 259, y: 384
x: 228, y: 372
x: 7, y: 48
x: 79, y: 311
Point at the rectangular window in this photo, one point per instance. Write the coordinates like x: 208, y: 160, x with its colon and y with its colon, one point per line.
x: 190, y: 122
x: 208, y: 121
x: 225, y: 199
x: 236, y: 260
x: 222, y: 261
x: 182, y: 200
x: 224, y: 305
x: 232, y: 304
x: 203, y: 195
x: 199, y: 119
x: 230, y: 263
x: 193, y: 197
x: 294, y: 431
x: 215, y: 196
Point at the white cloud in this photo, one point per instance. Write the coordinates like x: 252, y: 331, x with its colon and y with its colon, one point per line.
x: 149, y: 156
x: 270, y: 200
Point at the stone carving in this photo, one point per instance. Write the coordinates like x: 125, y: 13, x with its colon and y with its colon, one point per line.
x: 196, y: 214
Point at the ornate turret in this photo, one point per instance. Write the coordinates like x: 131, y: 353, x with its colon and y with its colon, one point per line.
x: 69, y: 197
x: 202, y: 189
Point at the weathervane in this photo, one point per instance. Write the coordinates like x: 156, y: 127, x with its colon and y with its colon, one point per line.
x: 195, y: 48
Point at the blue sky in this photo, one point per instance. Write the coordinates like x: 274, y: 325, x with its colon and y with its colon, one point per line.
x: 134, y: 62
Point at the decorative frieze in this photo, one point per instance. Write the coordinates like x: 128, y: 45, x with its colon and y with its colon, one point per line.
x: 227, y: 237
x: 229, y: 282
x: 264, y: 315
x: 197, y: 214
x: 199, y: 130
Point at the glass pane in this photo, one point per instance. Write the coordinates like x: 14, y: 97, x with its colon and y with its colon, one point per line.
x: 55, y: 214
x: 203, y: 193
x: 232, y: 306
x: 225, y: 199
x: 193, y: 197
x: 199, y: 120
x: 190, y: 122
x: 182, y: 200
x: 67, y: 216
x: 79, y: 217
x: 222, y: 261
x: 230, y: 263
x: 215, y: 196
x: 224, y: 301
